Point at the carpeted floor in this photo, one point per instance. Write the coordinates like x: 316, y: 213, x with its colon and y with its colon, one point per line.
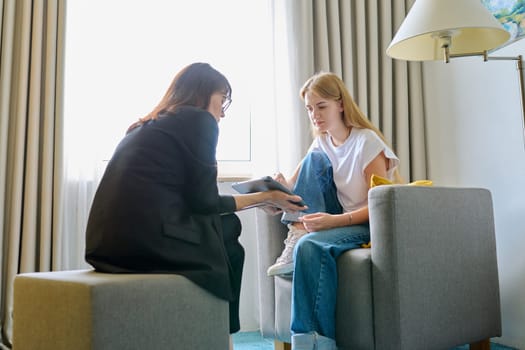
x: 254, y: 341
x: 251, y: 341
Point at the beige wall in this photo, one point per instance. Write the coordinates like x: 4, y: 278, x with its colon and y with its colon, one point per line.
x: 476, y: 139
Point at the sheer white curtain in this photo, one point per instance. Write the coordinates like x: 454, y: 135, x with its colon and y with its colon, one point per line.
x: 285, y: 129
x: 118, y: 67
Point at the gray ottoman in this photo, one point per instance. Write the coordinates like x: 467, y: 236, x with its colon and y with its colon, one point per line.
x: 84, y: 309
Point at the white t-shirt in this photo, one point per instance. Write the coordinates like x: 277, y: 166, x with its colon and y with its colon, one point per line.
x: 349, y: 162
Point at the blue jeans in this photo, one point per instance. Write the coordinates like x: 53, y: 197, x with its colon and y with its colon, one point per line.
x: 314, y: 287
x: 315, y: 184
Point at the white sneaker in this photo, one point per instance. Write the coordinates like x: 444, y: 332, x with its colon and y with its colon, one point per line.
x: 284, y: 264
x: 312, y: 340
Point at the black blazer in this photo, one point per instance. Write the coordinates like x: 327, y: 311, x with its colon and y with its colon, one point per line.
x: 157, y: 206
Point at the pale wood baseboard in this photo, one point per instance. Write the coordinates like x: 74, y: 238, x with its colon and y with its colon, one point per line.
x: 480, y: 345
x: 279, y: 345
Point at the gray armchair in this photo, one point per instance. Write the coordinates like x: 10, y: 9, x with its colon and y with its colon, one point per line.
x: 430, y: 280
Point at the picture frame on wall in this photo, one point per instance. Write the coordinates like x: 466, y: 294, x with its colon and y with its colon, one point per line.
x: 511, y: 14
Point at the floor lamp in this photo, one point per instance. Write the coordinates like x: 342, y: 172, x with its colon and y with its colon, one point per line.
x: 446, y: 29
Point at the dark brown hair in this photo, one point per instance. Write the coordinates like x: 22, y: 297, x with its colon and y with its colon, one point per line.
x: 192, y: 86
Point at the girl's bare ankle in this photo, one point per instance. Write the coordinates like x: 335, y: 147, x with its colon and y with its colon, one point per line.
x: 298, y: 225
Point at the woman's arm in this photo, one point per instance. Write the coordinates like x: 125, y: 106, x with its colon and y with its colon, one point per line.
x: 288, y: 183
x: 277, y: 199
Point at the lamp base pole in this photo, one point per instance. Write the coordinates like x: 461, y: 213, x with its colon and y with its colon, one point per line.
x: 519, y: 69
x: 519, y: 66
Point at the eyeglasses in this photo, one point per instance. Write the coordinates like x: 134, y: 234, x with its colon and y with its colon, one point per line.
x: 227, y: 102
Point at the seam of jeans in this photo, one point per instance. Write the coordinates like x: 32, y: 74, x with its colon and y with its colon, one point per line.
x: 319, y: 296
x: 360, y: 237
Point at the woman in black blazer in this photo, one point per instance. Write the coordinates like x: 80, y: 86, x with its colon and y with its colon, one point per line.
x: 157, y: 208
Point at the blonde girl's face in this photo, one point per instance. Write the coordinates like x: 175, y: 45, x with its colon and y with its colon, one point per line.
x: 325, y: 114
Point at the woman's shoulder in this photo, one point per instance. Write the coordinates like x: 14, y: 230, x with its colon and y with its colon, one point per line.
x: 372, y: 143
x: 191, y: 116
x: 188, y: 112
x: 365, y: 136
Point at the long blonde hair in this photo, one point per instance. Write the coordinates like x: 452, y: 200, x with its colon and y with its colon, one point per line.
x: 330, y: 86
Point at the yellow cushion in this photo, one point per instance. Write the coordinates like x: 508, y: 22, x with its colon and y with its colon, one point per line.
x: 376, y: 180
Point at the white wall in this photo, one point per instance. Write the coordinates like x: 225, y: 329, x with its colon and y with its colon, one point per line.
x: 474, y: 127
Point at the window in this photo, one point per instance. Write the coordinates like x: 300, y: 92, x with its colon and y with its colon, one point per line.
x: 121, y: 56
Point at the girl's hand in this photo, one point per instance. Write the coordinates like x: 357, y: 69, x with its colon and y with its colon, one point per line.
x: 318, y: 221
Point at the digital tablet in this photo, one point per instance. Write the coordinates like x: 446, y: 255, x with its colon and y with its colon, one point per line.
x: 266, y: 183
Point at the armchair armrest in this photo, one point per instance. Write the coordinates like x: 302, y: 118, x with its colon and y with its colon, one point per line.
x: 434, y: 266
x: 270, y: 237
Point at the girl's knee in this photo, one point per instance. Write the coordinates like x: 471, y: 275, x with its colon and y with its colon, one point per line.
x: 318, y: 157
x: 307, y: 245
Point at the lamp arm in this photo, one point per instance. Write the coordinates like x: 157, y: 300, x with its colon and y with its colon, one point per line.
x: 486, y: 57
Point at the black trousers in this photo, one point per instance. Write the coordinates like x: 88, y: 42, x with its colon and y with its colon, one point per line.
x: 231, y: 228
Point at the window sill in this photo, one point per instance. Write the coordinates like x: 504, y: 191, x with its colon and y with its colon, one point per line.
x: 234, y: 171
x: 232, y: 178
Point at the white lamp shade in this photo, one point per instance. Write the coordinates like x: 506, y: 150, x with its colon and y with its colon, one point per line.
x: 473, y: 27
